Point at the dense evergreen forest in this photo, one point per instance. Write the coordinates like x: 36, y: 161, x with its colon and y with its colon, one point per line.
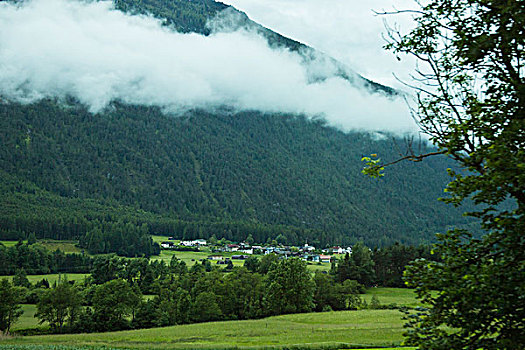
x: 109, y: 179
x: 66, y: 171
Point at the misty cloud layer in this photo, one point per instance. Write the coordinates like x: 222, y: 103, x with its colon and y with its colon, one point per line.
x: 59, y: 48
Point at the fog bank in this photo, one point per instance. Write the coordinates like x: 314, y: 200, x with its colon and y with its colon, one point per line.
x: 89, y: 50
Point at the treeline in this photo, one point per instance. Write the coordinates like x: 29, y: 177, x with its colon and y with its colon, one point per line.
x: 123, y: 238
x: 182, y: 15
x: 112, y: 297
x: 211, y: 173
x: 390, y: 262
x: 35, y: 260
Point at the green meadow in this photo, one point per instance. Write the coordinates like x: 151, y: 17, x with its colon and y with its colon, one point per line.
x: 51, y: 244
x: 343, y: 329
x: 27, y: 320
x: 10, y: 243
x: 387, y: 296
x: 65, y: 246
x: 327, y: 330
x: 54, y: 277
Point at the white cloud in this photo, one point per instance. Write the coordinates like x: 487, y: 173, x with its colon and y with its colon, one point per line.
x: 97, y: 54
x: 347, y: 30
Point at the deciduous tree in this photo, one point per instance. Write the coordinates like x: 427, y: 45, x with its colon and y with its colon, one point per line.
x: 59, y: 305
x: 10, y: 309
x: 289, y: 288
x: 471, y: 104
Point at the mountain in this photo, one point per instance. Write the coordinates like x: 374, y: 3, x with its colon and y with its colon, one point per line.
x: 67, y: 173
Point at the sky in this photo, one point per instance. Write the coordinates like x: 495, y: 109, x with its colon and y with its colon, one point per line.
x: 89, y: 50
x: 347, y: 30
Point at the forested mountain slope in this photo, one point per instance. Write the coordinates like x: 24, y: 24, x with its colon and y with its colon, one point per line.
x: 103, y: 178
x: 208, y: 167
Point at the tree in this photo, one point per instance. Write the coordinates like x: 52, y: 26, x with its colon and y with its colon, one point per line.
x: 10, y: 309
x: 249, y: 239
x: 106, y: 268
x: 205, y: 308
x: 289, y: 288
x: 31, y: 239
x: 148, y: 315
x: 59, y: 305
x: 362, y: 267
x: 20, y: 278
x: 252, y: 264
x: 112, y: 303
x: 471, y: 104
x: 267, y: 262
x: 357, y: 266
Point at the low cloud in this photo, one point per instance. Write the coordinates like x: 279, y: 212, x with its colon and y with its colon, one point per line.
x: 347, y: 30
x: 89, y: 50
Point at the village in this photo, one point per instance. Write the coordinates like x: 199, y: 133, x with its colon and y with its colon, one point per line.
x: 243, y: 250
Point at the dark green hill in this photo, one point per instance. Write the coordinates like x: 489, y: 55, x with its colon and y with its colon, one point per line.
x: 230, y: 173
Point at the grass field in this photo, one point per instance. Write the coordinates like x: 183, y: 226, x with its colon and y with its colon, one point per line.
x: 27, y: 320
x: 64, y: 347
x: 333, y: 329
x: 341, y: 329
x: 10, y: 243
x: 51, y: 244
x: 65, y: 246
x: 398, y: 296
x: 52, y: 278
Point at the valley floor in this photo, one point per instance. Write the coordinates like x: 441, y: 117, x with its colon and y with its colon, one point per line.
x: 337, y: 330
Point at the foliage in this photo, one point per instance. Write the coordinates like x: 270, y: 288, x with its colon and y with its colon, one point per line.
x: 112, y: 304
x: 357, y: 266
x: 334, y: 296
x: 390, y: 262
x: 20, y: 278
x: 59, y: 305
x: 123, y: 238
x: 289, y: 287
x: 472, y: 105
x: 267, y: 262
x: 35, y: 259
x: 9, y: 305
x: 205, y: 308
x: 184, y: 16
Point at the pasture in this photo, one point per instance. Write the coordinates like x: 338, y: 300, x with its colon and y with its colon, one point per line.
x: 27, y: 320
x: 54, y: 277
x: 343, y: 329
x: 51, y: 244
x: 65, y: 246
x: 317, y: 330
x: 11, y: 243
x: 387, y: 296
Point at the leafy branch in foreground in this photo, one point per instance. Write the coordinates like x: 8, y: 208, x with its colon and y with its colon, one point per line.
x: 470, y: 101
x: 374, y: 167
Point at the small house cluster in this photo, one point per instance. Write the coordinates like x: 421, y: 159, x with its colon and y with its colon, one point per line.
x: 243, y: 250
